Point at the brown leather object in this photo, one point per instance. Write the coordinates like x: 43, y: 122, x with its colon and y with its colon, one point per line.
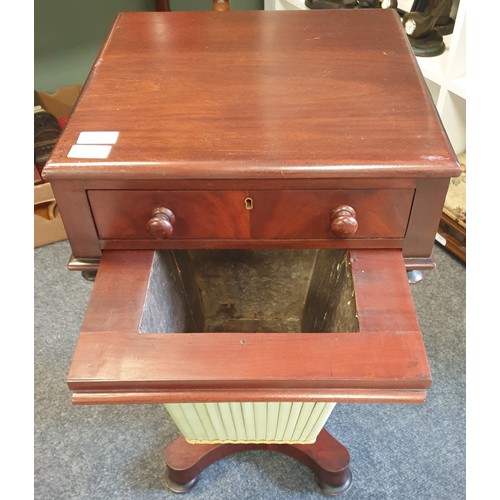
x: 47, y: 132
x: 342, y: 4
x: 331, y: 4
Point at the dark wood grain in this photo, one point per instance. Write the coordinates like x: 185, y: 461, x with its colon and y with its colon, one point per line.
x: 307, y: 214
x: 198, y: 214
x: 162, y: 5
x: 381, y: 213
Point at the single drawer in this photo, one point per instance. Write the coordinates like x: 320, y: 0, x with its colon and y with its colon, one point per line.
x: 222, y: 326
x: 256, y: 214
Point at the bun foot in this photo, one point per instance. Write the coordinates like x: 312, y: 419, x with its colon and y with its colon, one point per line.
x: 414, y: 276
x: 178, y: 487
x: 333, y: 491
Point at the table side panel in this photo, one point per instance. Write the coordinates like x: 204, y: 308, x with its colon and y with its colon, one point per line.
x: 430, y: 195
x: 77, y: 218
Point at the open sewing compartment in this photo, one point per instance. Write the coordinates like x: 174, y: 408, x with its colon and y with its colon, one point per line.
x: 162, y: 327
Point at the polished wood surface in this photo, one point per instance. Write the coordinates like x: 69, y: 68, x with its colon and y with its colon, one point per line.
x: 161, y: 223
x: 189, y: 102
x: 155, y: 367
x: 344, y: 109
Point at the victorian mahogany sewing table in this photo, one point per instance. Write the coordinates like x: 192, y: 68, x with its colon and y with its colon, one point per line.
x: 231, y: 136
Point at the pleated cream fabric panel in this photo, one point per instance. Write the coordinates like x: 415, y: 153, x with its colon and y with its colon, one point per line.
x: 250, y: 422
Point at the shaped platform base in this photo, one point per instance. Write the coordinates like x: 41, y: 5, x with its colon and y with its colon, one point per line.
x: 327, y: 458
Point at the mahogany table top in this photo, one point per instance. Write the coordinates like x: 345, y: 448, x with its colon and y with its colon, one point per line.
x: 296, y: 94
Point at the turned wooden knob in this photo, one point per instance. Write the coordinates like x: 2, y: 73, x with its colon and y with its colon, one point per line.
x: 161, y: 224
x: 221, y: 5
x: 344, y: 223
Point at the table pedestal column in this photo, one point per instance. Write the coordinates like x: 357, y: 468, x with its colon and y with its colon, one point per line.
x: 327, y: 458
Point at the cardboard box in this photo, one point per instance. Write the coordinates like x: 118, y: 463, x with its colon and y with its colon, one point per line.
x: 48, y: 226
x: 61, y: 102
x: 48, y: 223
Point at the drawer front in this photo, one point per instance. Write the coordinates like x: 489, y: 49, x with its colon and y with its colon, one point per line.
x: 259, y: 214
x: 197, y: 214
x: 309, y: 214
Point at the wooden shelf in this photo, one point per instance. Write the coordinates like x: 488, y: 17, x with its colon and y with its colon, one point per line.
x: 452, y: 227
x: 451, y: 235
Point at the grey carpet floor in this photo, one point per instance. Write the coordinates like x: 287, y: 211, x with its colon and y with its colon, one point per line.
x: 115, y: 452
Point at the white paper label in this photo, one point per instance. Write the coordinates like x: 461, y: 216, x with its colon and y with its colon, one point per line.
x: 103, y: 137
x: 89, y: 151
x: 440, y: 239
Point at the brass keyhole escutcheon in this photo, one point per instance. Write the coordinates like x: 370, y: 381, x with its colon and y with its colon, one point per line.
x: 248, y: 203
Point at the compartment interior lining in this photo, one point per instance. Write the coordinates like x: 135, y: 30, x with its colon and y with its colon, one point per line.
x: 250, y: 291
